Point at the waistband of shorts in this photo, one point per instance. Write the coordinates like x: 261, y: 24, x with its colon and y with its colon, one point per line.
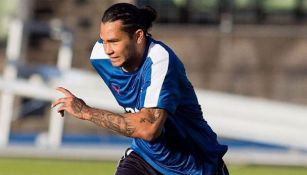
x: 128, y: 152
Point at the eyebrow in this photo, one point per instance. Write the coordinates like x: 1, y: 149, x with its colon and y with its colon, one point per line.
x: 110, y: 40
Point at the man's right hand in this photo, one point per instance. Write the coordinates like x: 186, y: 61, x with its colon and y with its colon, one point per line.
x: 71, y: 104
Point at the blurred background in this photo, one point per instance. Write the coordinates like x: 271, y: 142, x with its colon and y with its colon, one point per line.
x: 246, y: 58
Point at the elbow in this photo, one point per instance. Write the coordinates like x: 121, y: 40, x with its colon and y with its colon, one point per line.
x: 151, y: 135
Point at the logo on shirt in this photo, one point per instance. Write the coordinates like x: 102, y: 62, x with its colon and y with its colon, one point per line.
x: 131, y: 110
x: 116, y: 88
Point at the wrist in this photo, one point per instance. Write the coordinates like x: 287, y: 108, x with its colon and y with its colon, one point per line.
x: 86, y: 114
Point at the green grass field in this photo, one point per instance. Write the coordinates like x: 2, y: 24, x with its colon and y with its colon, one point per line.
x: 66, y: 167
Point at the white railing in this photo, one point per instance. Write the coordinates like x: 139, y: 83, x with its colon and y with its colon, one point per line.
x: 230, y: 116
x: 255, y: 119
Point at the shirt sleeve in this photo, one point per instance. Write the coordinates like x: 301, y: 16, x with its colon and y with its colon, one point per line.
x: 161, y: 87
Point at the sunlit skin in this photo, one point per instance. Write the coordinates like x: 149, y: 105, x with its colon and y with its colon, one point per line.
x: 124, y: 51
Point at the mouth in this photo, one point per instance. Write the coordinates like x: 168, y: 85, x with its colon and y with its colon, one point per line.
x: 114, y: 58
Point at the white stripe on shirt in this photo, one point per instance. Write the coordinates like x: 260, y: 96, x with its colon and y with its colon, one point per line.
x: 98, y: 52
x: 160, y: 58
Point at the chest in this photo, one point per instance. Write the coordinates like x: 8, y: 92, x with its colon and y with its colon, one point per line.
x: 127, y: 89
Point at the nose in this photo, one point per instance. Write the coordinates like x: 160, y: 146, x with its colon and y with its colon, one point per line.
x: 108, y: 49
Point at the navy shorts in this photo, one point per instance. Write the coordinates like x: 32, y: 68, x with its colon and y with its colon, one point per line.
x: 133, y: 164
x: 222, y: 169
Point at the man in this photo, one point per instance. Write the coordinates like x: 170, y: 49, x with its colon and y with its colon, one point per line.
x: 162, y: 115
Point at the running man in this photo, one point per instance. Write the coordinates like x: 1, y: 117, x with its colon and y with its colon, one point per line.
x: 148, y: 80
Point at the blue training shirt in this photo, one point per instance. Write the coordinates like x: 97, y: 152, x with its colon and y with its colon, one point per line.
x: 187, y: 144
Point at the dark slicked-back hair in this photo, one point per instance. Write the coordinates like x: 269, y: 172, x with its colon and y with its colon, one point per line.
x: 132, y: 17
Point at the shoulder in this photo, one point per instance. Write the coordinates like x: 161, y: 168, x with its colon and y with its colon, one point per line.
x: 101, y: 61
x: 98, y: 51
x: 158, y: 51
x: 162, y: 55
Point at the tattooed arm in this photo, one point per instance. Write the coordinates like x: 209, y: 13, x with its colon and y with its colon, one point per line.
x: 146, y: 124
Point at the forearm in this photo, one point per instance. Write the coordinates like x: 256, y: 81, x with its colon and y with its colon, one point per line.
x: 145, y: 124
x: 109, y: 120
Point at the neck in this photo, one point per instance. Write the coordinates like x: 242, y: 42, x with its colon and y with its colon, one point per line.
x: 137, y: 59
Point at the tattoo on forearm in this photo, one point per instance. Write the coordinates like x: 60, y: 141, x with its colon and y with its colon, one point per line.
x: 112, y: 121
x: 77, y: 105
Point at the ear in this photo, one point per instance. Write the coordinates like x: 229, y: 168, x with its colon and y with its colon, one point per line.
x: 139, y: 36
